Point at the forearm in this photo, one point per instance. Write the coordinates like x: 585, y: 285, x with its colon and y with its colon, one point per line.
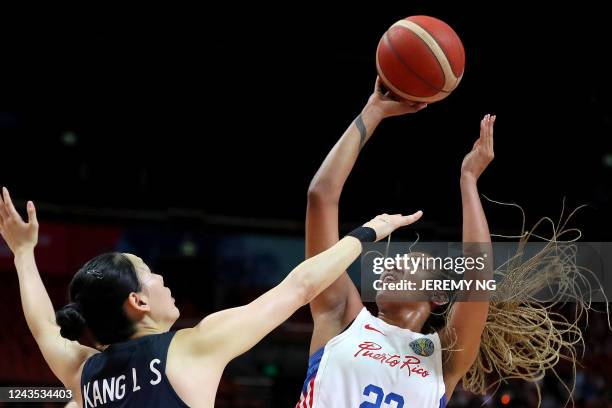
x: 315, y: 274
x: 475, y: 226
x: 476, y: 236
x: 216, y: 333
x: 37, y: 306
x: 331, y: 176
x: 468, y: 314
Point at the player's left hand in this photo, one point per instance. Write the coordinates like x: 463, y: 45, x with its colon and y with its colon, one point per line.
x: 476, y: 161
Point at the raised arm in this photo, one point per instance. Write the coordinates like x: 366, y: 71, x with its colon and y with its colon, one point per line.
x: 335, y: 307
x: 64, y: 357
x: 229, y: 333
x: 467, y: 319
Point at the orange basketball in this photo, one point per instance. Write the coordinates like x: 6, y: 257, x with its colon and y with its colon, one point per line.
x: 420, y: 58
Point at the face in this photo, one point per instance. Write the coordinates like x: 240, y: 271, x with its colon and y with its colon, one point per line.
x: 157, y: 296
x: 397, y: 276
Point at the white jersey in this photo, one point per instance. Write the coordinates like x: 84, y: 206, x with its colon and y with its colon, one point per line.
x: 373, y: 364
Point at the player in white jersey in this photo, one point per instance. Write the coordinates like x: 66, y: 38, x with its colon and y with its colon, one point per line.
x: 365, y: 361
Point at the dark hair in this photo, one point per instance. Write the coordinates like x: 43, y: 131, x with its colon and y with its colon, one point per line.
x: 97, y: 293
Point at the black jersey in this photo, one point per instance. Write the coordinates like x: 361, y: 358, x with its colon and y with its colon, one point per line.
x: 130, y: 374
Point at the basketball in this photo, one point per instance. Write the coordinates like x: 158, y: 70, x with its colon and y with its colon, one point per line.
x: 420, y: 58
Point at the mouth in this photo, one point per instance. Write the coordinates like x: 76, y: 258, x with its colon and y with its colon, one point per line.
x: 389, y: 276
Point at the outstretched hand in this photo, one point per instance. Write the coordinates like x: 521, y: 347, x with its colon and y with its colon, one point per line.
x: 385, y: 224
x: 476, y: 161
x: 18, y: 234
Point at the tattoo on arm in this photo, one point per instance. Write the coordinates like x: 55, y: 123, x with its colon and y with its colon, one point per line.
x: 362, y: 131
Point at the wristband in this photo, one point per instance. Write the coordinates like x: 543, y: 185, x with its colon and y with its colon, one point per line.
x: 363, y: 234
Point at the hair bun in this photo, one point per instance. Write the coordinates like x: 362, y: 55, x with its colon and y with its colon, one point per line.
x: 71, y: 321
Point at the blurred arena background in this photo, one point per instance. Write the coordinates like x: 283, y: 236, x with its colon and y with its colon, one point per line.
x: 189, y: 137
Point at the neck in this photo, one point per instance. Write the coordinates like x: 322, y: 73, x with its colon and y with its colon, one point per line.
x: 148, y: 327
x: 407, y: 315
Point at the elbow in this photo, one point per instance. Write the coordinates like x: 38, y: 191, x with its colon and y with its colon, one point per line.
x: 322, y: 193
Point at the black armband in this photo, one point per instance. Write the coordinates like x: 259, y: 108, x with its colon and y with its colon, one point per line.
x: 363, y: 234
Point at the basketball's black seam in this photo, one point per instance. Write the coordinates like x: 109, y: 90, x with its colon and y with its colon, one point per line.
x: 435, y: 57
x: 394, y: 51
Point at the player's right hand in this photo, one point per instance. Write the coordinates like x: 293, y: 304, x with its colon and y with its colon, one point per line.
x: 388, y: 105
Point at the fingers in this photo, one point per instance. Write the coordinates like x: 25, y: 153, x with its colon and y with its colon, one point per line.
x: 385, y: 224
x: 483, y: 130
x: 412, y: 218
x: 483, y: 133
x: 486, y: 132
x: 379, y: 87
x: 486, y: 124
x: 404, y: 220
x: 488, y: 135
x: 491, y: 130
x: 418, y: 106
x: 377, y: 83
x: 32, y: 219
x: 3, y: 213
x: 8, y: 203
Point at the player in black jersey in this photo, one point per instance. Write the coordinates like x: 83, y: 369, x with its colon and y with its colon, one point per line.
x: 129, y: 312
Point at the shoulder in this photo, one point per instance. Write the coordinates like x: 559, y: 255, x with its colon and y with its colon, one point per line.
x: 189, y: 351
x: 191, y: 342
